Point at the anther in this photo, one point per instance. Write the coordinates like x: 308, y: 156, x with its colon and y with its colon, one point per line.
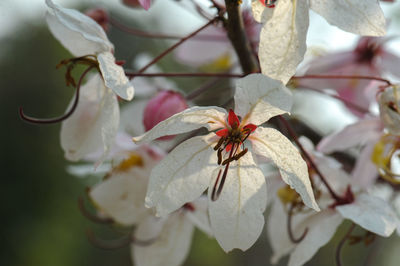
x: 219, y: 153
x: 219, y: 144
x: 240, y: 154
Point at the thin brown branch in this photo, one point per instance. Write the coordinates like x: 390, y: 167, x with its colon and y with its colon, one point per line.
x: 342, y: 77
x: 167, y: 51
x: 183, y: 75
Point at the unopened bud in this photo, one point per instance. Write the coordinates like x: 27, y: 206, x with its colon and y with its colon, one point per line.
x: 136, y: 3
x: 160, y: 107
x: 99, y: 15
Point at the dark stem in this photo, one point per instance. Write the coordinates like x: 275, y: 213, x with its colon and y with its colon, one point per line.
x: 35, y: 120
x: 337, y: 198
x: 237, y: 35
x: 341, y: 243
x: 145, y: 34
x: 156, y: 59
x: 204, y: 87
x: 342, y: 77
x: 140, y: 33
x: 345, y: 101
x: 183, y: 75
x: 289, y: 227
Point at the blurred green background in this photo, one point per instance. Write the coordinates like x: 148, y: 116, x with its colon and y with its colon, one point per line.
x: 41, y: 223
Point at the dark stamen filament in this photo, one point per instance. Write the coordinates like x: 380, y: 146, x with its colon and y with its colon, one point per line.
x: 216, y: 192
x: 219, y: 144
x: 60, y: 118
x: 289, y: 227
x: 341, y: 244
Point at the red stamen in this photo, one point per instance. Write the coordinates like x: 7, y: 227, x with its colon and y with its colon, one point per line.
x: 228, y: 147
x: 222, y: 132
x: 250, y: 127
x: 189, y: 206
x: 233, y: 120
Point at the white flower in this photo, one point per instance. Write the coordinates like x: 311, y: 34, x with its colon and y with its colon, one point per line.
x: 82, y: 36
x: 368, y: 211
x: 121, y: 196
x: 284, y: 32
x: 94, y: 122
x: 193, y: 166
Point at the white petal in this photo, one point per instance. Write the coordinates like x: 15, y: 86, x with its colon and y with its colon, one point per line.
x: 183, y: 175
x: 371, y: 213
x: 360, y: 17
x: 283, y: 39
x: 277, y: 231
x: 237, y: 215
x: 359, y: 133
x: 365, y: 172
x: 94, y: 123
x: 114, y: 76
x: 258, y: 98
x: 188, y: 120
x: 261, y: 14
x: 171, y: 247
x: 121, y: 196
x: 389, y: 116
x: 80, y: 34
x: 321, y: 228
x: 199, y: 216
x: 270, y: 143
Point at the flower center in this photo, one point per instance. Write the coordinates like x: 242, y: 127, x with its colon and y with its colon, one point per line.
x: 268, y: 3
x: 230, y: 148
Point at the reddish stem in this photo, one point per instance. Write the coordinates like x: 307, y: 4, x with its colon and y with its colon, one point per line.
x: 289, y: 227
x: 337, y: 198
x: 342, y: 77
x: 60, y: 118
x: 145, y: 34
x: 340, y: 246
x: 347, y: 102
x: 184, y: 75
x: 156, y: 59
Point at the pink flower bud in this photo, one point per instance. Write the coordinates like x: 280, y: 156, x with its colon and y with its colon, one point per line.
x: 136, y: 3
x: 160, y: 107
x: 99, y: 15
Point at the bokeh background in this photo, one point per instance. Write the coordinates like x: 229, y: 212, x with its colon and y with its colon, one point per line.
x: 41, y: 223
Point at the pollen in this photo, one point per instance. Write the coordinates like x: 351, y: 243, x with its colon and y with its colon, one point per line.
x: 131, y: 161
x: 288, y: 195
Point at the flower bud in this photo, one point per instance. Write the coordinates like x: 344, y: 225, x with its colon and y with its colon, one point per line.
x: 165, y: 104
x: 389, y: 101
x: 99, y: 15
x: 136, y: 3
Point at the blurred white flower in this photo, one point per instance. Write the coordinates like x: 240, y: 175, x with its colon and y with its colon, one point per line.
x: 156, y: 241
x: 283, y: 36
x: 368, y: 211
x: 82, y: 36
